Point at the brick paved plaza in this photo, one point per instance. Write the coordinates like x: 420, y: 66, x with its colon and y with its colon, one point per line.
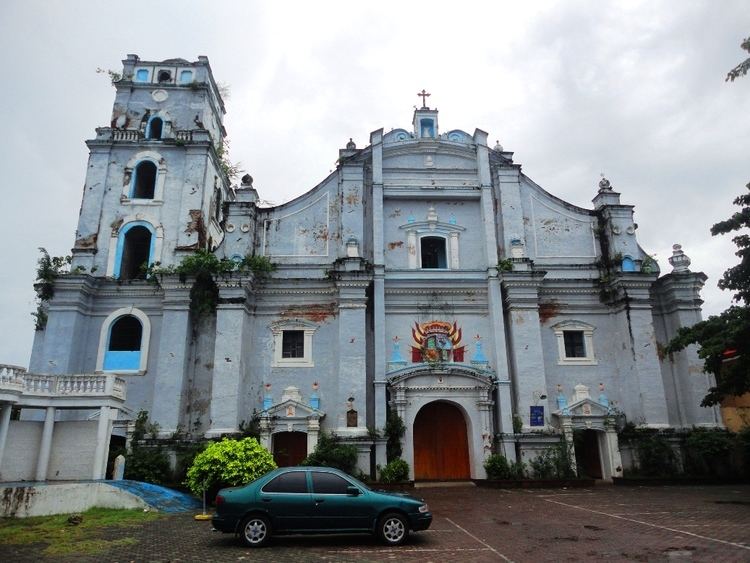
x: 710, y: 523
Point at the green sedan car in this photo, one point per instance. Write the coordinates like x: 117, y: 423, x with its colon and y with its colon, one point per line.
x: 308, y: 500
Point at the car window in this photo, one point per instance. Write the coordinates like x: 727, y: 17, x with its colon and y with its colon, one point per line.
x: 293, y: 482
x: 329, y: 483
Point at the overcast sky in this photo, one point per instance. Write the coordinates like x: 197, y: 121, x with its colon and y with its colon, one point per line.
x: 632, y: 89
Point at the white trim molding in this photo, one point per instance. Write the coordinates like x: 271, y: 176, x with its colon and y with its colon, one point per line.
x: 278, y: 328
x: 589, y: 359
x: 104, y: 339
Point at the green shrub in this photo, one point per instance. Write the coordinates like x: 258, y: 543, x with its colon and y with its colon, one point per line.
x: 656, y: 458
x: 395, y: 471
x: 228, y: 463
x: 553, y: 463
x: 394, y: 431
x: 149, y: 464
x: 330, y: 452
x: 497, y: 467
x: 707, y: 452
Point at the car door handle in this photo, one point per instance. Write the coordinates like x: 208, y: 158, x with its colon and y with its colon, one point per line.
x: 319, y: 500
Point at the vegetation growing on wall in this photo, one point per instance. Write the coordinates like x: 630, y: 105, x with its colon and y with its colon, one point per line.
x: 49, y: 268
x: 205, y: 267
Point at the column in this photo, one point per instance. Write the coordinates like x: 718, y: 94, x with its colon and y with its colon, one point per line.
x: 102, y: 444
x: 172, y: 355
x: 503, y: 406
x: 527, y: 361
x: 46, y: 444
x: 4, y: 425
x: 645, y: 367
x: 352, y: 352
x: 231, y: 330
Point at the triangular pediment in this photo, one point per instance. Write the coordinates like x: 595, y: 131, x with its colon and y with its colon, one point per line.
x: 292, y: 409
x: 584, y: 408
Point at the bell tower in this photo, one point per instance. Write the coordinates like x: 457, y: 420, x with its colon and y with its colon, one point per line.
x: 155, y: 183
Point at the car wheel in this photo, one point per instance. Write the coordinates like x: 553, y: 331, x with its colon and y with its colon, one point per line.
x: 255, y: 531
x: 393, y: 529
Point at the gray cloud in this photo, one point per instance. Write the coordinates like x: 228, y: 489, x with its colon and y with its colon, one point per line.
x: 635, y: 90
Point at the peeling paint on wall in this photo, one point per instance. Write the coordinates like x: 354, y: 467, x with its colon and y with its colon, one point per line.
x: 315, y: 313
x: 548, y: 311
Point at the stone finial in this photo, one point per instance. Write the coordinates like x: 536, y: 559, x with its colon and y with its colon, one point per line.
x: 498, y: 146
x: 604, y: 185
x: 350, y: 146
x: 679, y: 260
x: 432, y: 214
x: 247, y: 181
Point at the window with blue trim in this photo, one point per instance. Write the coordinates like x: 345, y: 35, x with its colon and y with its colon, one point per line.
x: 628, y: 265
x: 135, y: 254
x: 186, y: 76
x: 144, y: 183
x: 154, y: 128
x: 124, y: 345
x: 141, y: 75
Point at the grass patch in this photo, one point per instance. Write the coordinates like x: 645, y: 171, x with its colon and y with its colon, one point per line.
x: 63, y: 538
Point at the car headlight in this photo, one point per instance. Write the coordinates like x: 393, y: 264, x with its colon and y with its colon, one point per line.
x: 424, y: 508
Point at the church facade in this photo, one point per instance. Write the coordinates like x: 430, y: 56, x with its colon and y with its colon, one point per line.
x: 427, y: 274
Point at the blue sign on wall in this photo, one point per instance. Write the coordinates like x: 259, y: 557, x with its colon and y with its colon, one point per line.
x: 536, y: 416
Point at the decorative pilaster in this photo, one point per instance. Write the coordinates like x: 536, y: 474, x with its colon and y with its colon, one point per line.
x: 232, y: 329
x: 172, y: 360
x: 524, y: 330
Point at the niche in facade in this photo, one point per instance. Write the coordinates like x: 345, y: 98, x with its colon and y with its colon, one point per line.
x: 136, y: 253
x: 155, y: 127
x: 164, y: 76
x: 145, y: 180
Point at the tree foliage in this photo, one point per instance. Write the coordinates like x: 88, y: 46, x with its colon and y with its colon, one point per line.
x: 724, y: 340
x: 742, y: 68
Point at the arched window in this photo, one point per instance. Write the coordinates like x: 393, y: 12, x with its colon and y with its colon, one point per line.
x: 628, y: 265
x: 186, y: 76
x: 433, y: 252
x: 123, y: 341
x: 144, y: 184
x: 135, y: 253
x: 154, y: 128
x: 124, y: 345
x: 141, y: 75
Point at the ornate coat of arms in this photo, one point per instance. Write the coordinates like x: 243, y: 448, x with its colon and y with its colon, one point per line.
x: 437, y: 341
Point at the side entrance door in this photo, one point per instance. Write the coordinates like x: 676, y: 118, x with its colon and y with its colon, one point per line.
x: 289, y: 448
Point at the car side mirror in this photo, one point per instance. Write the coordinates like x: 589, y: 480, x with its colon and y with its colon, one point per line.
x: 352, y: 491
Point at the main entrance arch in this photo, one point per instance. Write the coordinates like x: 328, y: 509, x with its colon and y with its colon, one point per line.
x: 441, y: 447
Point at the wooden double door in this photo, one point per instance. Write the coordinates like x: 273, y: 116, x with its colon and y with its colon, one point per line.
x: 289, y: 448
x: 441, y: 448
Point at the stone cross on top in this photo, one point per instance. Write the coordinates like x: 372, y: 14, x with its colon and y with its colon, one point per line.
x: 424, y: 96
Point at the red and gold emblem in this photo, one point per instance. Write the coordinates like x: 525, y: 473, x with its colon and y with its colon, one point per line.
x: 436, y: 341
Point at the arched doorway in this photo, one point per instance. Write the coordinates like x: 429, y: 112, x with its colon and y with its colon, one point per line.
x: 441, y: 448
x: 289, y: 448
